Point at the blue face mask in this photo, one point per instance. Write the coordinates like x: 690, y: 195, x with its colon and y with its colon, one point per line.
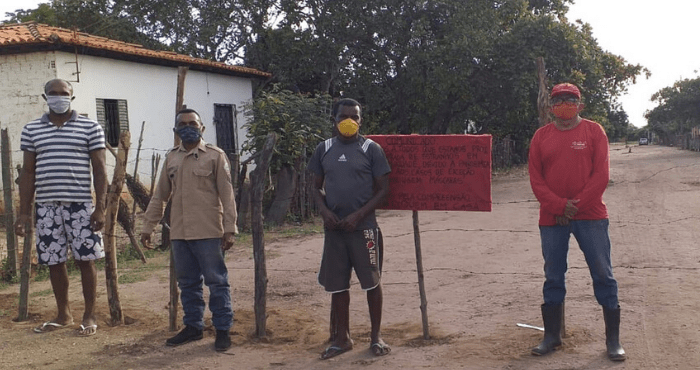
x: 189, y: 134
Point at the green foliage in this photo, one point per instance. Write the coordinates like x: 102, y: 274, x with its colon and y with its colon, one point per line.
x: 300, y: 120
x: 678, y: 108
x: 429, y: 67
x: 5, y: 275
x: 619, y: 125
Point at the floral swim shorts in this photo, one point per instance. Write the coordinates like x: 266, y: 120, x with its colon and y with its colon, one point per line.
x: 59, y: 224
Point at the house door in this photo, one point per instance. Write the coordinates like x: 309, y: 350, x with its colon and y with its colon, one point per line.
x: 226, y: 129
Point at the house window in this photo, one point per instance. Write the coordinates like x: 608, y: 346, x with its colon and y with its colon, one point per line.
x: 112, y: 114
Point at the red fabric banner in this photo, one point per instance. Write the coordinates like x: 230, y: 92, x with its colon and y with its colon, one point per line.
x: 438, y: 172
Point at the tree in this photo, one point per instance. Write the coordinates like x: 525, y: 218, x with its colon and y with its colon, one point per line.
x: 619, y: 125
x: 301, y: 122
x: 678, y: 108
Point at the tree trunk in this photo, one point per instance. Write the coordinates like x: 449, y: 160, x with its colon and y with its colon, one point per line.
x: 284, y: 193
x: 257, y: 186
x: 113, y: 195
x: 543, y: 95
x: 8, y: 189
x: 25, y: 269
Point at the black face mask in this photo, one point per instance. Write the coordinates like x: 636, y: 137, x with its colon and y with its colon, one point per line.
x: 188, y: 134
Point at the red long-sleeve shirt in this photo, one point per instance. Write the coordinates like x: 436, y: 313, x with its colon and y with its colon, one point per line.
x: 566, y: 165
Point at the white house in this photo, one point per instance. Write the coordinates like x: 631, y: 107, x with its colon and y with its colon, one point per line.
x: 120, y: 85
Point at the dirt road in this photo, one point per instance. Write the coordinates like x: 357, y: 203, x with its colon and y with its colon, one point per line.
x: 483, y: 275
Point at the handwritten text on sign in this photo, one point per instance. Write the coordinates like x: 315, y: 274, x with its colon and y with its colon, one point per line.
x: 438, y: 172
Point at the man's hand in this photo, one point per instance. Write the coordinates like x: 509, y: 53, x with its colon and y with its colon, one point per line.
x: 570, y: 209
x: 227, y: 242
x: 146, y: 241
x: 562, y: 220
x: 350, y: 222
x: 330, y: 220
x: 97, y: 220
x: 22, y: 220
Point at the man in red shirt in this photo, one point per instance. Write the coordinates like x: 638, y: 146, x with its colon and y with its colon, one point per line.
x: 569, y: 170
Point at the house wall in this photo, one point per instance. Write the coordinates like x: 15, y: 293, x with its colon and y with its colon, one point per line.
x: 148, y: 89
x: 23, y: 77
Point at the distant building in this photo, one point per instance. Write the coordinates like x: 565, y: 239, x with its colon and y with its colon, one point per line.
x: 120, y: 85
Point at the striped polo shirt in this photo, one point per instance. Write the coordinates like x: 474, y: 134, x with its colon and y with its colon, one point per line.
x: 63, y: 157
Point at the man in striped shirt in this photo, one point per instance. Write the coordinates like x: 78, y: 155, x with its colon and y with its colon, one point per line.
x: 59, y: 149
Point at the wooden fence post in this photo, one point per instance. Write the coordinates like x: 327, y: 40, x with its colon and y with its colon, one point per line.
x: 155, y: 163
x: 421, y: 279
x: 136, y: 166
x: 8, y: 189
x: 25, y: 269
x: 113, y: 194
x: 543, y: 95
x: 257, y: 186
x: 165, y: 231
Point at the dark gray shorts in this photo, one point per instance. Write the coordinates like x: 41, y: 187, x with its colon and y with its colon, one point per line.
x: 362, y: 250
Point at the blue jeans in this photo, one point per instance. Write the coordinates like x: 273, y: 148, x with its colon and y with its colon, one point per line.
x: 592, y: 236
x: 198, y: 261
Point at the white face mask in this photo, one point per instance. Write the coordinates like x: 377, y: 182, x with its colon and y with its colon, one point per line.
x: 58, y: 104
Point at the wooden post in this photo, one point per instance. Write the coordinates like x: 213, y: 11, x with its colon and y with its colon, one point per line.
x: 179, y: 103
x: 543, y: 95
x: 23, y: 314
x: 257, y: 186
x: 113, y: 193
x: 128, y: 225
x: 8, y: 189
x: 421, y: 280
x: 136, y: 167
x: 155, y: 162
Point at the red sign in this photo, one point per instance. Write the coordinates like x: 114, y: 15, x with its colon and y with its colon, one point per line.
x: 438, y: 172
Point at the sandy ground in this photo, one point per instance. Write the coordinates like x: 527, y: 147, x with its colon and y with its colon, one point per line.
x: 483, y: 274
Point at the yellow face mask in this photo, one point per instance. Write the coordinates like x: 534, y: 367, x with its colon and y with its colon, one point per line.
x: 348, y: 127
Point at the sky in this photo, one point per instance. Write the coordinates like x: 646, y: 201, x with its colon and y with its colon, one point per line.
x: 661, y: 37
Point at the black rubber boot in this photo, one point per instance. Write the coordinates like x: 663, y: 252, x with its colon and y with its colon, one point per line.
x: 551, y: 315
x: 223, y: 340
x: 612, y: 334
x: 186, y: 335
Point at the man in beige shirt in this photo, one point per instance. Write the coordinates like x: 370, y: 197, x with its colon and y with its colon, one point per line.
x: 196, y: 177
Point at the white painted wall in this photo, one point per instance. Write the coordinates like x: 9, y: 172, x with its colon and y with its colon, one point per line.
x: 23, y: 77
x: 148, y: 89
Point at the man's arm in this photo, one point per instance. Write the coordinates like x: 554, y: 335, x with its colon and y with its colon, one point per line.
x: 228, y: 201
x: 99, y: 176
x: 154, y: 212
x: 551, y: 202
x: 600, y: 176
x: 330, y: 219
x: 381, y: 185
x: 27, y: 187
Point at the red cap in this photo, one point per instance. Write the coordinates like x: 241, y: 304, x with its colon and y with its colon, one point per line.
x: 565, y: 88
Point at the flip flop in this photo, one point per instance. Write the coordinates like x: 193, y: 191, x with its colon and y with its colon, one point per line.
x: 86, y: 331
x: 380, y: 349
x: 49, y: 326
x: 333, y: 351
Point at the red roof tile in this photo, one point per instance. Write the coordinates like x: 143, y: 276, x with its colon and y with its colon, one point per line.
x: 37, y: 35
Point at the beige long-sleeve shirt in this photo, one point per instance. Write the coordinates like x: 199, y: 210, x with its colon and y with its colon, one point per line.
x: 199, y: 184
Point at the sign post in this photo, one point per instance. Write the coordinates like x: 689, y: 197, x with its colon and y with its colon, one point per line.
x: 436, y: 172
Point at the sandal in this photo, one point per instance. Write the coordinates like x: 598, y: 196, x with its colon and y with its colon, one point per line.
x: 380, y: 349
x: 49, y: 326
x: 333, y: 351
x: 86, y: 331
